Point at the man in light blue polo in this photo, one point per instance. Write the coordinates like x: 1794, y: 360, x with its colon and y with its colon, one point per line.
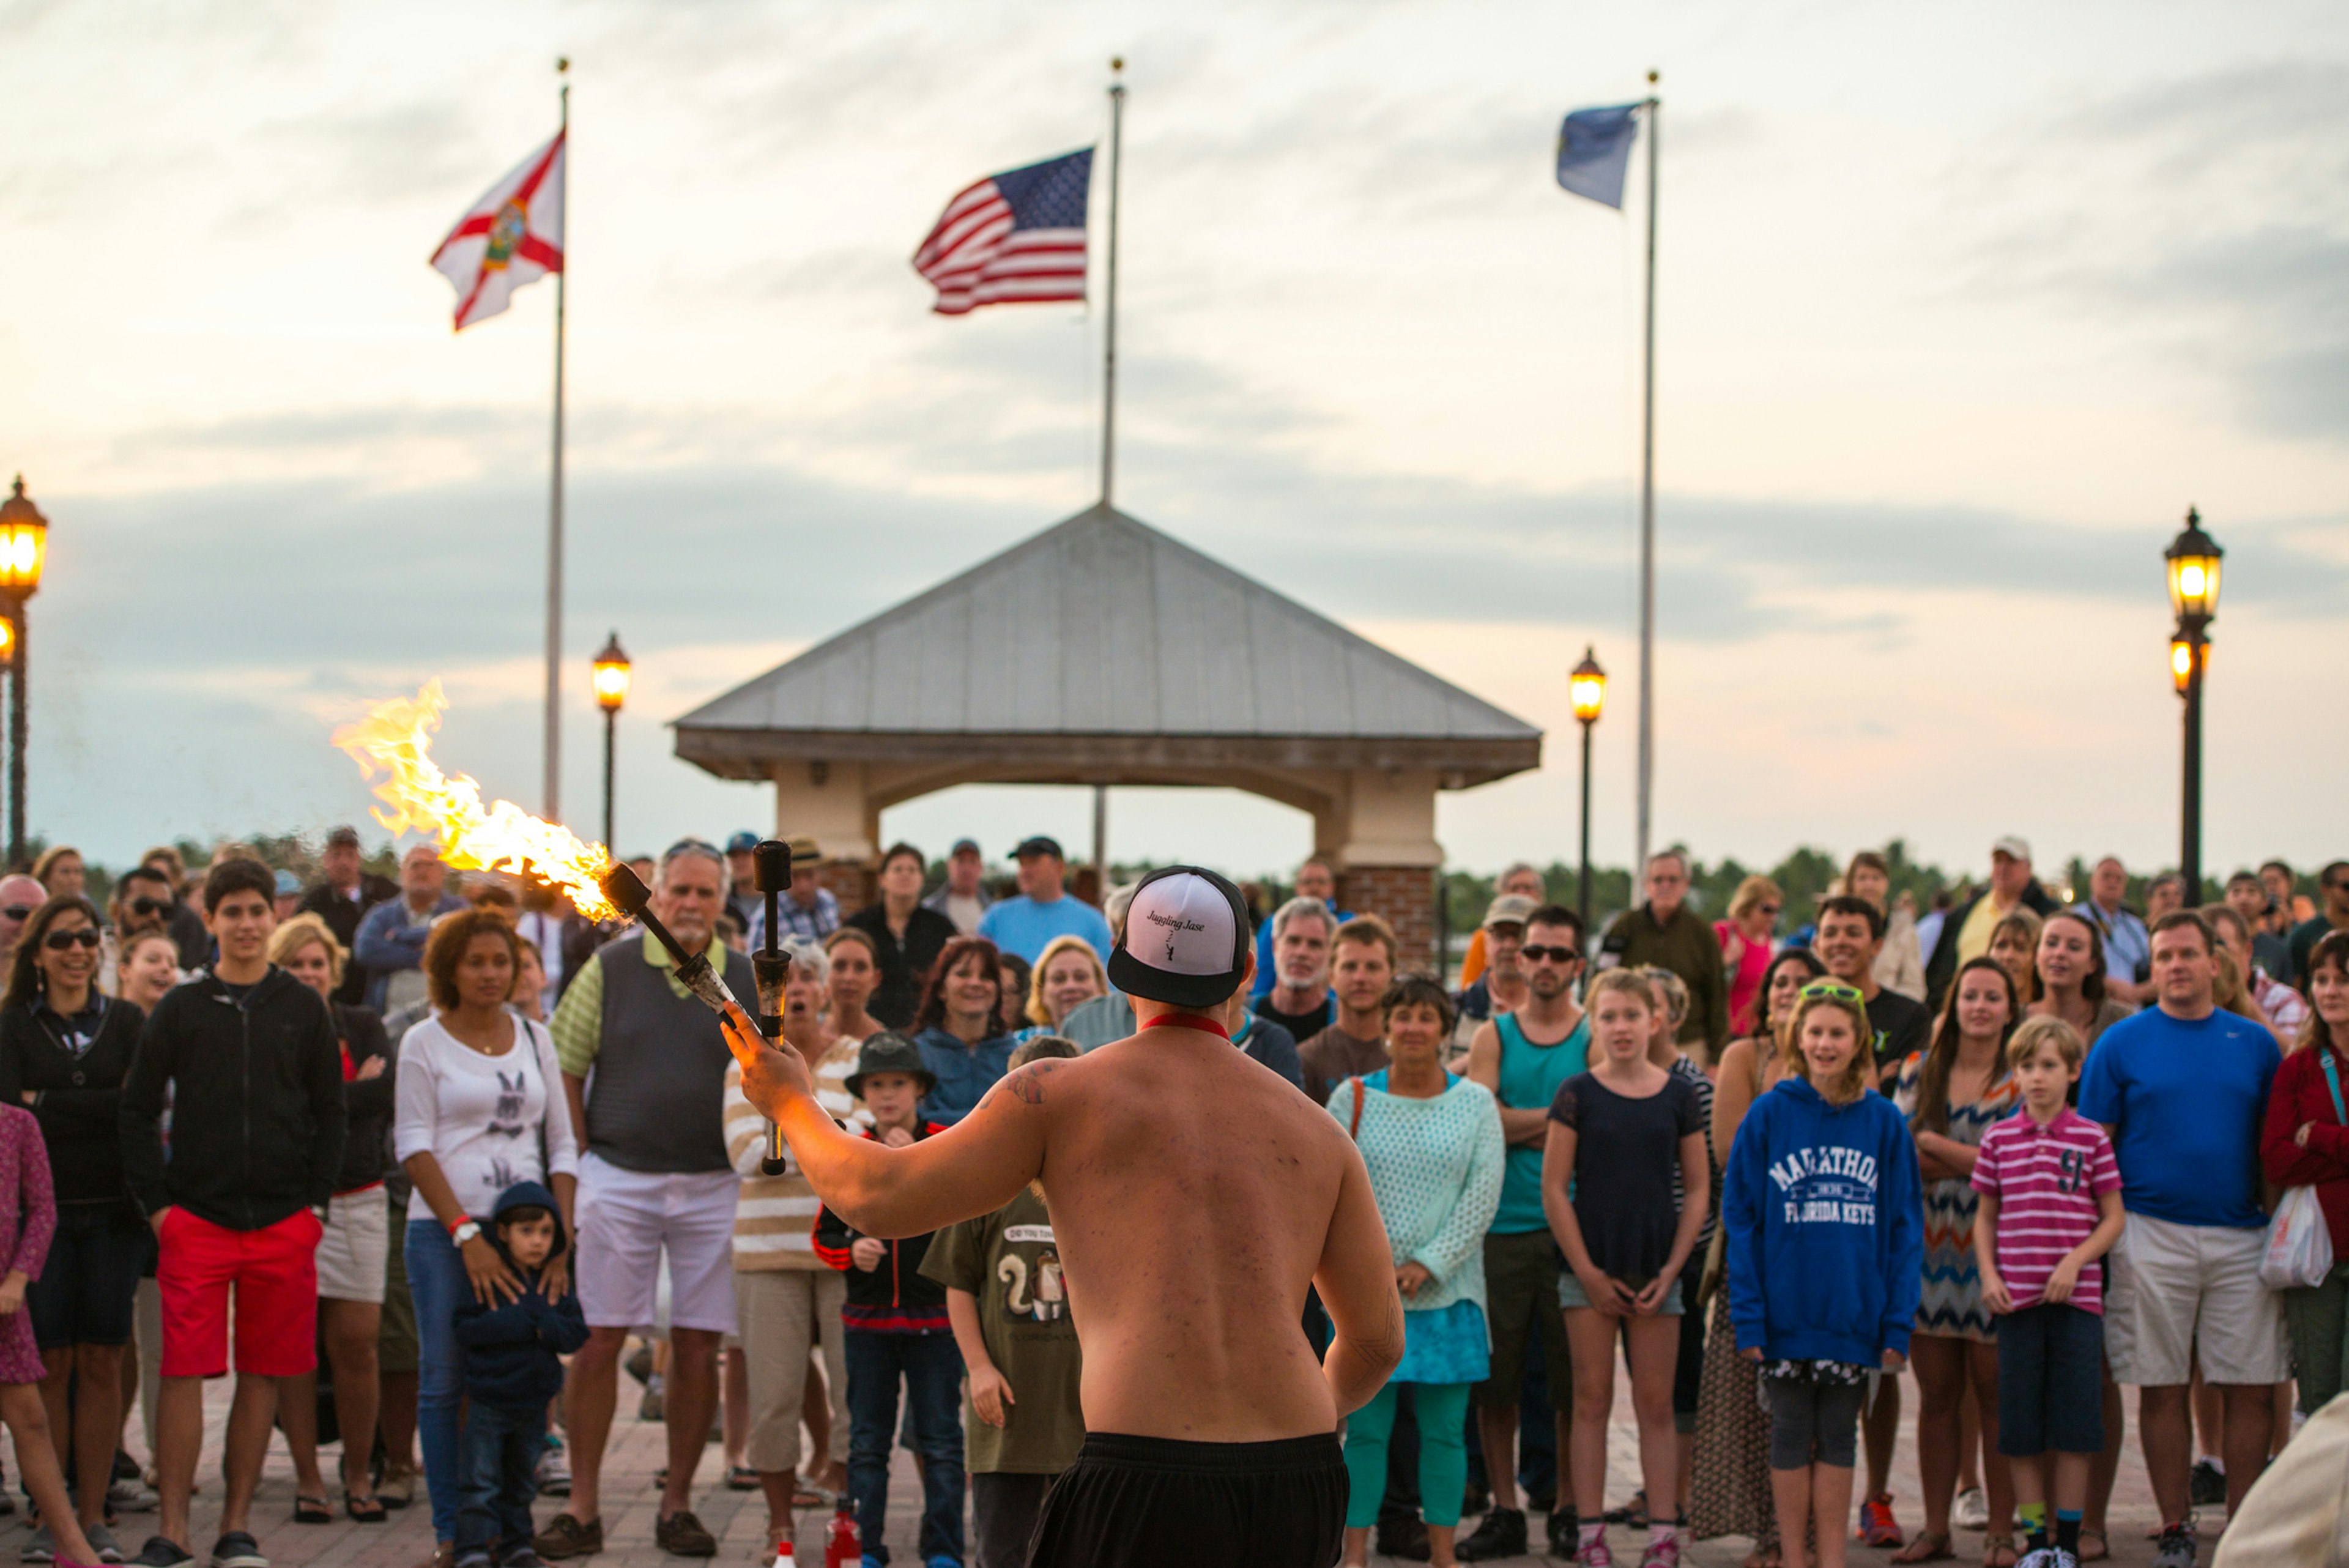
x: 2128, y: 950
x: 1043, y: 909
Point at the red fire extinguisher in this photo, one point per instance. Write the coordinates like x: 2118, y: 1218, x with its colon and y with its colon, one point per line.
x: 841, y: 1547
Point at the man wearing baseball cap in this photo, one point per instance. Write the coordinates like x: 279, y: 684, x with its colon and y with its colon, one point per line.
x: 343, y: 898
x: 1026, y: 925
x: 1966, y: 933
x: 1194, y: 1197
x: 963, y: 897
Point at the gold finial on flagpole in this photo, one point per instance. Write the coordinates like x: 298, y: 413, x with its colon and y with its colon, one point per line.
x: 563, y: 67
x: 1117, y: 62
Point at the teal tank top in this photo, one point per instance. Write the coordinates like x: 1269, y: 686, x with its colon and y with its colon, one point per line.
x: 1530, y: 1077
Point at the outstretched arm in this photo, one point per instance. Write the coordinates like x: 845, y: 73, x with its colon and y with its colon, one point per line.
x: 1357, y: 1281
x: 973, y: 1168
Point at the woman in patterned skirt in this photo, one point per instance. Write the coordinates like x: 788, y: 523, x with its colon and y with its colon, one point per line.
x: 1951, y: 1092
x: 1732, y: 1486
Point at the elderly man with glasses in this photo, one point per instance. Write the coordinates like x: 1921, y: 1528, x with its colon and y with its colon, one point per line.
x: 1665, y: 932
x: 655, y: 1179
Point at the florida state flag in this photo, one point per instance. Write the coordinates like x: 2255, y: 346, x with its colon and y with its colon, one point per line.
x: 513, y: 235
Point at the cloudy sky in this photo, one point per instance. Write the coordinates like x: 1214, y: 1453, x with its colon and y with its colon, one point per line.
x: 1959, y: 311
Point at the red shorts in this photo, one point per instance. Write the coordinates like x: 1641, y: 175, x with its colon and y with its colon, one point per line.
x: 274, y: 1271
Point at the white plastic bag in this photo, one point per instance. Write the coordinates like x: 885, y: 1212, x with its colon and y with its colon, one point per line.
x: 2300, y: 1249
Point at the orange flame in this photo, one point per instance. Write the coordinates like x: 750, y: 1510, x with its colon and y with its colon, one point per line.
x: 396, y: 740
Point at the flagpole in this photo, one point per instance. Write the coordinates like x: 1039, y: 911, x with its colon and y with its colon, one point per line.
x: 1654, y: 106
x: 1109, y: 357
x: 555, y: 502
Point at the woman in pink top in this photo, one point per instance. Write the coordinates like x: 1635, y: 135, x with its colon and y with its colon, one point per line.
x: 1744, y: 940
x: 29, y: 1218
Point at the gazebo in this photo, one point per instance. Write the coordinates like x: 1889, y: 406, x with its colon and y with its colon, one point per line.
x: 1101, y: 651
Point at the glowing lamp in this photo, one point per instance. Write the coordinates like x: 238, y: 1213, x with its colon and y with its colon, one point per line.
x: 2193, y: 558
x: 1586, y: 685
x: 612, y: 676
x: 24, y: 543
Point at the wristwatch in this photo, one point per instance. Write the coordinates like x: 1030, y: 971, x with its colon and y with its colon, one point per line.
x: 464, y: 1231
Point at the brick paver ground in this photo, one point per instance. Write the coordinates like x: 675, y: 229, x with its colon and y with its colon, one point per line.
x: 737, y: 1519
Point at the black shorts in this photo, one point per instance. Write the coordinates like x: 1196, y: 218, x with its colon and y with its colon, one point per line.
x: 88, y: 1287
x: 1133, y: 1502
x: 2050, y: 1385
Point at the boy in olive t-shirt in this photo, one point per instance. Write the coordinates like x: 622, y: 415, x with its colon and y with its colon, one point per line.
x: 1010, y: 1307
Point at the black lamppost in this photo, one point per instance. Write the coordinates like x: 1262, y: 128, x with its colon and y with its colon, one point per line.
x: 23, y: 551
x: 2193, y: 559
x: 1587, y: 688
x: 611, y: 692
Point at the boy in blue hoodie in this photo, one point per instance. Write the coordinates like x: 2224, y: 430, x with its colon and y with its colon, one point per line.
x: 514, y: 1366
x: 1823, y: 1208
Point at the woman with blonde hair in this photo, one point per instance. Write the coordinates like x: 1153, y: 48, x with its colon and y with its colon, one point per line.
x: 1067, y: 975
x: 61, y: 871
x: 354, y: 1241
x: 1745, y: 944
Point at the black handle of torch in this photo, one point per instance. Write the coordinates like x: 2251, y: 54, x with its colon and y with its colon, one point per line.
x: 772, y: 862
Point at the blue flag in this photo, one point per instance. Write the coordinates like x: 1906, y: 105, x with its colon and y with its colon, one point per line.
x: 1594, y: 149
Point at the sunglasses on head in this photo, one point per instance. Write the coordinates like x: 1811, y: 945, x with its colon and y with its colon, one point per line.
x: 1833, y: 988
x: 1539, y: 953
x: 58, y: 941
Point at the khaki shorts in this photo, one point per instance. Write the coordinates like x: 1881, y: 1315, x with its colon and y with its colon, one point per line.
x: 1521, y: 1275
x: 395, y: 1348
x: 354, y: 1246
x: 2175, y: 1291
x: 782, y: 1311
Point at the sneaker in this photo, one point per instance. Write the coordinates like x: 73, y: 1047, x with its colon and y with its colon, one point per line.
x: 567, y: 1537
x: 682, y: 1535
x: 1564, y: 1530
x: 128, y: 1494
x: 2205, y: 1486
x: 163, y: 1551
x: 1594, y: 1555
x: 101, y: 1540
x: 1404, y: 1535
x: 521, y: 1557
x: 1665, y: 1553
x: 1501, y: 1533
x: 1877, y: 1525
x: 2175, y: 1549
x: 554, y: 1474
x: 473, y: 1560
x: 942, y: 1561
x: 41, y: 1548
x: 2048, y: 1557
x: 1972, y: 1510
x: 238, y: 1549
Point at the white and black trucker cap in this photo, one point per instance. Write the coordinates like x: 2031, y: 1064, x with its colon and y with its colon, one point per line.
x: 1185, y: 941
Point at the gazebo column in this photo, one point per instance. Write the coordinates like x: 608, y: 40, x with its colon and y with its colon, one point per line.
x: 1378, y: 836
x: 832, y: 804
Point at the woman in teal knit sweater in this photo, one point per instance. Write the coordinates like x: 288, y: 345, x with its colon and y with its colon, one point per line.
x: 1432, y: 1141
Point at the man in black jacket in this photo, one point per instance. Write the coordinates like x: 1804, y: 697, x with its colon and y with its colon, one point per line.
x: 249, y: 1058
x: 1965, y: 934
x: 347, y: 893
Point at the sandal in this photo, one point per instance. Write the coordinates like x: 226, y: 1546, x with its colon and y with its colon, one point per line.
x: 742, y: 1478
x: 365, y: 1509
x: 1634, y: 1513
x: 2103, y: 1550
x: 312, y: 1510
x: 1990, y: 1558
x: 1930, y: 1546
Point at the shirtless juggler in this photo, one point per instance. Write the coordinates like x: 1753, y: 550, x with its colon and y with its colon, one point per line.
x: 1194, y: 1197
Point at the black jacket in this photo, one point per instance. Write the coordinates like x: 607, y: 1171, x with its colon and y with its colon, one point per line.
x: 257, y: 1103
x: 366, y: 1102
x: 903, y: 970
x: 896, y: 1297
x: 512, y: 1350
x: 1942, y: 964
x: 80, y: 1102
x: 342, y: 917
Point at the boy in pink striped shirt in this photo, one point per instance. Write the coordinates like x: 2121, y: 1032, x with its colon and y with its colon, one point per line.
x: 2051, y: 1205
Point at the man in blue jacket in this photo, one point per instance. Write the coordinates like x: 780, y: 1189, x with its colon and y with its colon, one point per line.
x: 514, y: 1366
x: 390, y: 940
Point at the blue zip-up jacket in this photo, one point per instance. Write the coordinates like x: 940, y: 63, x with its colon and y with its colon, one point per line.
x: 512, y: 1350
x: 387, y: 943
x: 1825, y: 1217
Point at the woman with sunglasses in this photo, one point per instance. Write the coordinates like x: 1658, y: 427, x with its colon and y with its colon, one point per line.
x: 65, y: 1050
x: 1731, y: 1489
x: 1744, y: 938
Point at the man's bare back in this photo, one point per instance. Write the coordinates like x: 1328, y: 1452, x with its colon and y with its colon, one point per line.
x: 1195, y: 1196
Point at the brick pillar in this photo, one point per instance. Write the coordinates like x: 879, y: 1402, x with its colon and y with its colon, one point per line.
x: 1403, y: 897
x: 852, y: 882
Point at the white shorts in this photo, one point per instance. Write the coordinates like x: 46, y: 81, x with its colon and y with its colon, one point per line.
x: 2177, y: 1290
x: 354, y: 1246
x: 627, y: 1219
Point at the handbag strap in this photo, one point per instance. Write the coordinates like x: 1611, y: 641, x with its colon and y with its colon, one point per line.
x: 2332, y: 1082
x: 1354, y: 1127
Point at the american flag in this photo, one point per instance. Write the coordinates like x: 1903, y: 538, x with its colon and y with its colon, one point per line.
x: 1014, y: 237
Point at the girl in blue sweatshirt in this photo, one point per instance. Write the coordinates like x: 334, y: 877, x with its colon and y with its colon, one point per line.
x: 1825, y: 1215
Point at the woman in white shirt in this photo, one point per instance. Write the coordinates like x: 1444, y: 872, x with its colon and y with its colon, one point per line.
x: 480, y: 1107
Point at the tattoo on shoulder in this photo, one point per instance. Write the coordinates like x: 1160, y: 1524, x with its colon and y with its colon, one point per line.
x: 1028, y: 1083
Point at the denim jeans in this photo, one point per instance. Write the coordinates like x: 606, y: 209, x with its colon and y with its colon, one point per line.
x: 500, y: 1466
x: 932, y: 1369
x: 437, y: 1285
